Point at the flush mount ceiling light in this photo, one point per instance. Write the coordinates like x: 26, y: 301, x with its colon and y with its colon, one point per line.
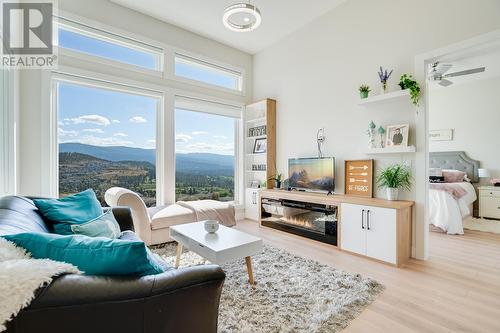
x: 242, y: 17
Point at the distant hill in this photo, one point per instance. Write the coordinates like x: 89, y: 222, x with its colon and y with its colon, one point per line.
x: 193, y: 163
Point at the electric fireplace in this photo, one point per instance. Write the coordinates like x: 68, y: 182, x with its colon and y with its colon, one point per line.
x: 315, y: 221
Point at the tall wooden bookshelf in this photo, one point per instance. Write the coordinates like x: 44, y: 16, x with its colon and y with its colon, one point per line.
x: 260, y: 124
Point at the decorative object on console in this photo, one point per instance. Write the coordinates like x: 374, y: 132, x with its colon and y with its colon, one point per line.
x: 441, y: 135
x: 381, y: 132
x: 397, y: 135
x: 384, y: 77
x: 371, y: 134
x: 364, y: 89
x: 393, y: 178
x: 260, y: 146
x: 407, y: 82
x: 495, y: 181
x: 278, y: 178
x: 359, y: 178
x: 211, y: 226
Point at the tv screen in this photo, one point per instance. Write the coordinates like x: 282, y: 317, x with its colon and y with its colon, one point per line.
x: 312, y: 174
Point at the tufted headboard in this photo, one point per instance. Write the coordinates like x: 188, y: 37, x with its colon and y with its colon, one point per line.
x: 456, y: 160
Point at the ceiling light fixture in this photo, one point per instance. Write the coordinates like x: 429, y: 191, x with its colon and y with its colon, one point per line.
x: 242, y: 17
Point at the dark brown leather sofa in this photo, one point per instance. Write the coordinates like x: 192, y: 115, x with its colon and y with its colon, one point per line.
x: 177, y: 301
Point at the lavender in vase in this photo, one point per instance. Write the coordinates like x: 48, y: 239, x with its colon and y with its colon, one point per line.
x: 384, y: 77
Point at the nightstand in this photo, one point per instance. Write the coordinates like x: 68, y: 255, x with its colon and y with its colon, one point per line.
x: 489, y: 202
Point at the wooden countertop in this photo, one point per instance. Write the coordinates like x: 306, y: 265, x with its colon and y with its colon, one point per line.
x: 334, y: 199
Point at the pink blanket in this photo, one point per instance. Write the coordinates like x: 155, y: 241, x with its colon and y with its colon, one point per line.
x: 455, y: 190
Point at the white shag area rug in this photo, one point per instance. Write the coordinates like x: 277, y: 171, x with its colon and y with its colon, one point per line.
x: 484, y: 225
x: 21, y: 276
x: 292, y: 294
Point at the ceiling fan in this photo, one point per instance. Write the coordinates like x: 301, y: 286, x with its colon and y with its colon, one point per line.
x: 437, y: 72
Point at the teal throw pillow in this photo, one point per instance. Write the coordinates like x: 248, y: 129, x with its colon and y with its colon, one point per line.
x: 103, y: 226
x: 73, y: 209
x: 92, y: 255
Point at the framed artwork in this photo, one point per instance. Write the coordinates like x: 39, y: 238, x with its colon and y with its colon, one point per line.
x: 397, y: 135
x: 260, y: 146
x: 359, y: 178
x: 441, y: 135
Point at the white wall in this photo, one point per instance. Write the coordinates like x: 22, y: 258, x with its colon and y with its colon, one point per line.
x: 314, y: 73
x: 473, y: 112
x: 32, y: 168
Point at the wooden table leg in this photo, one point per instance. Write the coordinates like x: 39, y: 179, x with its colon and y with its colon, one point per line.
x: 248, y: 261
x: 178, y: 256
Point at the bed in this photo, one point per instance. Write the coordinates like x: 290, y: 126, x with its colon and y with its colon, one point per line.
x: 446, y: 210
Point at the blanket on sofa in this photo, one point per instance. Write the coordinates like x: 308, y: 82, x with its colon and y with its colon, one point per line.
x: 211, y: 210
x: 21, y: 276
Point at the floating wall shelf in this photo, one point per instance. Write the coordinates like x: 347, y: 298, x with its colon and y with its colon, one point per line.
x: 386, y: 98
x: 392, y: 150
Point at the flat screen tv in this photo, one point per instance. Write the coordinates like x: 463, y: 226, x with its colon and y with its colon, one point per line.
x: 312, y: 174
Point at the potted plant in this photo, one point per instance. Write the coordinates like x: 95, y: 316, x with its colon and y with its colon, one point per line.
x: 393, y: 178
x: 364, y: 89
x: 407, y: 82
x: 384, y: 77
x: 278, y: 178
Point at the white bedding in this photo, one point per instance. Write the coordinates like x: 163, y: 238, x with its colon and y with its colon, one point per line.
x: 448, y: 213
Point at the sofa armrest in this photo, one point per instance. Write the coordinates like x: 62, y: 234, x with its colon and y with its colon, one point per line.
x: 183, y: 300
x: 123, y: 216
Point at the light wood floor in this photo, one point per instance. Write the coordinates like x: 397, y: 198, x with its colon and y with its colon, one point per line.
x: 457, y: 290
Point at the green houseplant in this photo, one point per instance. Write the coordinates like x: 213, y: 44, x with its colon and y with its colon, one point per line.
x: 364, y: 89
x: 393, y: 178
x: 278, y: 178
x: 407, y: 82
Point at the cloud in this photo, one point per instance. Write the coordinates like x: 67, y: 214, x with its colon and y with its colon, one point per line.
x: 199, y: 133
x: 90, y: 119
x: 66, y: 134
x: 93, y: 130
x: 138, y: 120
x: 115, y: 121
x: 95, y: 141
x: 204, y: 147
x: 120, y: 134
x: 182, y: 138
x: 151, y: 143
x: 223, y: 137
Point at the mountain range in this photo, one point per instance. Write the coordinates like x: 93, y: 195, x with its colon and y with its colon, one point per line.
x: 196, y: 163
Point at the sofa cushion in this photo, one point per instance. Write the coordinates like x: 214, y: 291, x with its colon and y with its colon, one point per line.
x: 172, y: 215
x: 92, y: 255
x: 73, y: 209
x: 19, y: 214
x: 102, y: 226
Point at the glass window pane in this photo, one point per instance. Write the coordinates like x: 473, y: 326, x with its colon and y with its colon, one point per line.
x: 206, y: 73
x: 205, y: 156
x: 106, y: 139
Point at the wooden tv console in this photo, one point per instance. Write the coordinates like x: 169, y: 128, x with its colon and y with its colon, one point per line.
x: 375, y: 228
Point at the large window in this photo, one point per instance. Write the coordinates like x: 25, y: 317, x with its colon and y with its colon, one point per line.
x: 205, y: 155
x: 206, y: 72
x: 106, y: 138
x: 91, y: 41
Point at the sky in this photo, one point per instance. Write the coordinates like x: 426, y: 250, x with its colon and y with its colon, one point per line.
x: 108, y: 118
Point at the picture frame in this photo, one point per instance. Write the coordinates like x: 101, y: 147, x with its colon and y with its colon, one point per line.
x: 397, y: 135
x: 358, y: 178
x: 260, y: 146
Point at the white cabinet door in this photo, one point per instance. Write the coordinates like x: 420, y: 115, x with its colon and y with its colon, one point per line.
x: 352, y: 234
x: 252, y: 204
x: 381, y: 233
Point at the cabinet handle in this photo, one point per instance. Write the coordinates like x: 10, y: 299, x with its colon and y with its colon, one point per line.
x: 368, y: 215
x: 254, y: 200
x: 363, y: 219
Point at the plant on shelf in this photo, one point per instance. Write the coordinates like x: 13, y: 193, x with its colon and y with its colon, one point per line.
x: 364, y: 89
x: 278, y: 178
x: 407, y: 82
x: 393, y: 178
x: 384, y: 77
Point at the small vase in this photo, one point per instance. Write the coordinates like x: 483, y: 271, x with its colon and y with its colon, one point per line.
x: 383, y: 88
x: 278, y: 184
x: 363, y: 94
x: 392, y: 193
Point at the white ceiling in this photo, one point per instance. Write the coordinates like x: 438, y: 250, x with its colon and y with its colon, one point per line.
x: 204, y: 17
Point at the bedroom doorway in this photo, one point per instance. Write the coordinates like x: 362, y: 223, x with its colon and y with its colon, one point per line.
x: 463, y: 159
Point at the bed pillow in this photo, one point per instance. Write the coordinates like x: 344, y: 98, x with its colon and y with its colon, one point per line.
x: 103, y: 226
x: 92, y: 255
x: 73, y: 209
x: 454, y: 176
